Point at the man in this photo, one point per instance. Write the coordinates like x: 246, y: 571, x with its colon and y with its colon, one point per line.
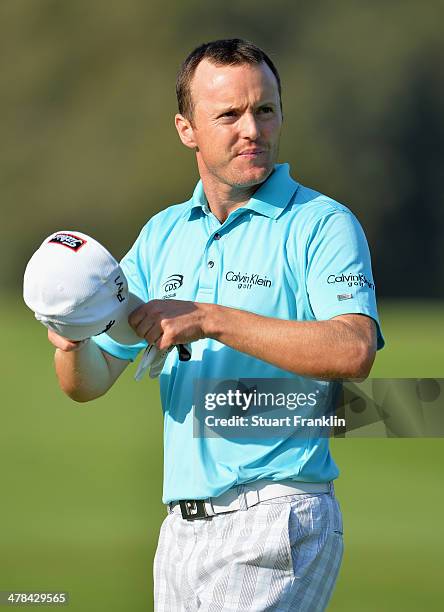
x: 267, y: 279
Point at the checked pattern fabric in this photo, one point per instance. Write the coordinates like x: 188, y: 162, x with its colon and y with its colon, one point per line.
x: 280, y: 555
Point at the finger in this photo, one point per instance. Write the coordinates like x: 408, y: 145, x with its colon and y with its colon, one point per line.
x: 149, y: 330
x: 64, y: 344
x: 162, y: 343
x: 144, y: 327
x: 137, y: 316
x: 159, y: 341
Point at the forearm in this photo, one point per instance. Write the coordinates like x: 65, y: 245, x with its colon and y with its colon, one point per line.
x: 318, y: 349
x: 83, y: 374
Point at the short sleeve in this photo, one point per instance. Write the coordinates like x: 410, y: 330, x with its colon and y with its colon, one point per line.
x: 339, y: 274
x: 134, y: 265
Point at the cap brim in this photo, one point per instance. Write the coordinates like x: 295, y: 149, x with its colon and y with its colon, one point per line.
x: 121, y: 331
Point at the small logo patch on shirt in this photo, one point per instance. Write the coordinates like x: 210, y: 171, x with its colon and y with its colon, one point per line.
x: 358, y: 280
x: 68, y: 240
x: 345, y: 296
x: 173, y: 282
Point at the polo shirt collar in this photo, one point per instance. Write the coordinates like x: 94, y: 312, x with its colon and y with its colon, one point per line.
x: 269, y: 200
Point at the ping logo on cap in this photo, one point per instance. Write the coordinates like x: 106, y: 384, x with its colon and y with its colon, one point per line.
x: 120, y: 286
x: 68, y: 240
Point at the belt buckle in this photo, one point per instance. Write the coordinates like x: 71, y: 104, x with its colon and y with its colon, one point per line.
x: 193, y: 509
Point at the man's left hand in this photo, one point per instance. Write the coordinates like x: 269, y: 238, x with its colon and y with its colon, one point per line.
x: 169, y: 322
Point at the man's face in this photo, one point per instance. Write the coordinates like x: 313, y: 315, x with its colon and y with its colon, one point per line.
x: 236, y: 122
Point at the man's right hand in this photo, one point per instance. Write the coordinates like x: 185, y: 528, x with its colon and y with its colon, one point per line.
x: 64, y: 344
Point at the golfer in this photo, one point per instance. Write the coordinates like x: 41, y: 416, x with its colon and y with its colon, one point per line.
x: 266, y: 279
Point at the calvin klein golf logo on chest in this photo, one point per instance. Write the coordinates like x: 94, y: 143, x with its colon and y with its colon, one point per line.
x: 247, y: 281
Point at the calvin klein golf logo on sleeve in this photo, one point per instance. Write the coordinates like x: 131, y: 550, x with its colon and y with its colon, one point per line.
x: 352, y: 280
x: 68, y: 240
x: 247, y: 281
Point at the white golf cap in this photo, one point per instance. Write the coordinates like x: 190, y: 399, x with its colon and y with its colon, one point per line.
x: 77, y: 288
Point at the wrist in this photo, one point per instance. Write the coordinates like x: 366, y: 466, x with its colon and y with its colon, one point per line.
x: 211, y: 321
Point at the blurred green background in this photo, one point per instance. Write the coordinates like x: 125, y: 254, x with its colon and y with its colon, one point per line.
x: 86, y: 123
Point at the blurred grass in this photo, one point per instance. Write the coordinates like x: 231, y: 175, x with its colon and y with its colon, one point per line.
x: 82, y: 483
x: 414, y: 334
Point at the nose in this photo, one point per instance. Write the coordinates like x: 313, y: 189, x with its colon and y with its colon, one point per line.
x: 249, y: 127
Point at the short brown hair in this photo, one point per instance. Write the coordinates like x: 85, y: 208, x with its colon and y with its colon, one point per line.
x: 224, y: 52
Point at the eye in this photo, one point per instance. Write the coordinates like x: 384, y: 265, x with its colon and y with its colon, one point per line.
x: 265, y: 110
x: 228, y: 114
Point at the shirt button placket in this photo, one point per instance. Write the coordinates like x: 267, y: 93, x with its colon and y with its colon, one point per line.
x: 209, y: 275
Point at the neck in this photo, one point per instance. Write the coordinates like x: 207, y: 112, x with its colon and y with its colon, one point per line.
x: 223, y: 198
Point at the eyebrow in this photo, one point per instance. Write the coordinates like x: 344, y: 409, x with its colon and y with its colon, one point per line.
x: 227, y: 109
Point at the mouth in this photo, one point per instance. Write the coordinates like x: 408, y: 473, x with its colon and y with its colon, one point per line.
x: 251, y: 153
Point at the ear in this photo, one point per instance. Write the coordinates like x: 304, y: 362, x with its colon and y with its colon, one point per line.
x: 185, y: 131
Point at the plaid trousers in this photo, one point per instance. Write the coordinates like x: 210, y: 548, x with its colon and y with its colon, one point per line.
x: 280, y: 555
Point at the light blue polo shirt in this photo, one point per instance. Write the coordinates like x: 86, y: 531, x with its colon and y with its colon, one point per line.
x: 290, y: 253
